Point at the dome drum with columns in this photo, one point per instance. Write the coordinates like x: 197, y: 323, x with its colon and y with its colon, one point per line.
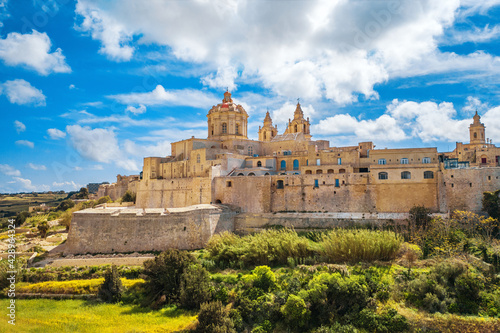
x: 227, y: 120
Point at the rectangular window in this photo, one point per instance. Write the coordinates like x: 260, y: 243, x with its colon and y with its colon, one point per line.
x: 426, y: 160
x: 318, y: 161
x: 404, y: 161
x: 337, y: 183
x: 316, y: 183
x: 382, y: 161
x: 339, y: 161
x: 228, y: 184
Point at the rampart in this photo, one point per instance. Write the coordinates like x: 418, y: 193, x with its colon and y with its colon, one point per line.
x: 109, y: 230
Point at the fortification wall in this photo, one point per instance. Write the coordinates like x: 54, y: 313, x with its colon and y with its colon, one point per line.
x: 112, y: 230
x: 180, y: 192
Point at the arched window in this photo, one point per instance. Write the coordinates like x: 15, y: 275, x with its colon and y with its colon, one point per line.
x: 475, y: 135
x: 330, y: 171
x: 264, y: 135
x: 405, y: 175
x: 224, y: 128
x: 279, y: 184
x: 250, y: 150
x: 341, y: 170
x: 240, y: 174
x: 382, y: 161
x: 383, y: 175
x: 304, y: 127
x: 198, y: 158
x: 319, y: 171
x: 308, y: 172
x: 259, y: 164
x: 295, y: 164
x: 404, y: 161
x: 237, y: 129
x: 428, y: 175
x: 267, y: 174
x: 212, y: 129
x: 283, y: 165
x: 251, y: 174
x: 295, y: 128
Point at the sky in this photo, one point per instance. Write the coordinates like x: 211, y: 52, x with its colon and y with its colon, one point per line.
x: 89, y: 88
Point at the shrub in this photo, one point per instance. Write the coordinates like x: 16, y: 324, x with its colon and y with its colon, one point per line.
x: 129, y: 196
x: 194, y: 287
x: 163, y: 273
x: 103, y: 200
x: 65, y: 205
x: 43, y: 227
x: 263, y: 278
x: 21, y: 218
x: 491, y: 203
x: 111, y: 290
x: 341, y: 245
x: 419, y: 217
x: 10, y: 265
x: 295, y: 312
x: 214, y: 318
x: 386, y: 322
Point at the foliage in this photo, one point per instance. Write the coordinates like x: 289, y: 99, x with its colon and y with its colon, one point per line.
x: 74, y: 287
x: 214, y: 318
x: 83, y: 194
x: 34, y: 220
x: 21, y: 218
x: 129, y: 196
x: 111, y: 290
x: 194, y: 287
x: 105, y: 199
x: 65, y: 205
x: 43, y: 227
x: 295, y: 312
x: 7, y: 266
x: 163, y: 273
x: 491, y: 204
x: 385, y: 322
x: 66, y: 273
x: 262, y: 277
x: 419, y: 217
x: 359, y: 245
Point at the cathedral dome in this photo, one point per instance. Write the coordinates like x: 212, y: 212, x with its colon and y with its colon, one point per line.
x: 227, y: 120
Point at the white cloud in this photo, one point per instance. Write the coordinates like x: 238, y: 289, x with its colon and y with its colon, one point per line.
x: 20, y: 127
x: 3, y: 11
x: 28, y: 185
x: 22, y: 92
x: 162, y: 148
x: 336, y: 49
x: 71, y: 185
x: 25, y: 143
x: 32, y: 51
x: 56, y: 134
x: 474, y: 35
x: 71, y: 87
x: 160, y: 96
x: 473, y: 104
x: 37, y: 166
x: 9, y: 170
x: 136, y: 110
x: 100, y: 145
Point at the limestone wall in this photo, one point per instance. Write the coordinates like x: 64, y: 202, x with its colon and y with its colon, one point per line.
x: 124, y: 230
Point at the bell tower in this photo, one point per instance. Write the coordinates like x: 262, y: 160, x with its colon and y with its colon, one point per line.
x: 268, y: 132
x: 477, y: 131
x: 299, y: 124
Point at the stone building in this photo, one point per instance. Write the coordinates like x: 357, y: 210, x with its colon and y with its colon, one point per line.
x: 290, y: 172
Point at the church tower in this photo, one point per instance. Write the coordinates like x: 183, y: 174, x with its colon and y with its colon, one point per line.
x: 299, y: 124
x: 268, y: 132
x: 476, y: 131
x: 227, y: 120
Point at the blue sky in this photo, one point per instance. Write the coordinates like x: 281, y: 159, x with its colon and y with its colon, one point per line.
x: 89, y: 88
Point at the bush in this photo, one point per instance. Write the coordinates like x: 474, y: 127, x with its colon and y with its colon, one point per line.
x: 194, y: 287
x: 263, y: 278
x: 295, y: 312
x: 65, y: 205
x: 163, y: 273
x: 214, y: 318
x: 341, y: 245
x: 111, y: 290
x: 43, y: 227
x: 21, y: 218
x: 386, y: 322
x: 129, y: 196
x: 103, y: 200
x: 419, y: 217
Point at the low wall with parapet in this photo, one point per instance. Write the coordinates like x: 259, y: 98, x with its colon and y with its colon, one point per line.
x: 248, y: 222
x: 110, y: 230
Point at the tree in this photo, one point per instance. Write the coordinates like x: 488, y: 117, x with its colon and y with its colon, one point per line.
x: 83, y: 194
x: 111, y: 290
x: 295, y: 312
x: 420, y: 217
x: 195, y: 287
x: 129, y: 196
x: 43, y: 227
x: 65, y: 205
x: 491, y: 203
x: 21, y: 218
x: 214, y: 318
x: 163, y: 274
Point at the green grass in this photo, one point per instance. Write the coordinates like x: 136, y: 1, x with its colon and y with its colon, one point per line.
x: 42, y: 315
x: 69, y: 287
x: 13, y: 204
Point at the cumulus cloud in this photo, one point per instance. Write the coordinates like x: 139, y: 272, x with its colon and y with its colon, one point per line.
x: 100, y: 145
x: 22, y: 92
x: 160, y: 96
x: 161, y: 148
x: 25, y: 143
x: 136, y: 110
x: 32, y: 51
x: 473, y: 104
x: 20, y: 127
x: 336, y: 49
x: 66, y: 184
x: 37, y: 166
x: 9, y: 170
x: 26, y: 184
x: 56, y: 134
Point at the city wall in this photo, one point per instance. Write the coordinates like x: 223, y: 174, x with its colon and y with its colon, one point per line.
x: 109, y: 230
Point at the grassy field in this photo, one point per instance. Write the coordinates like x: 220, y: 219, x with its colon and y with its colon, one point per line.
x: 12, y: 204
x: 43, y: 315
